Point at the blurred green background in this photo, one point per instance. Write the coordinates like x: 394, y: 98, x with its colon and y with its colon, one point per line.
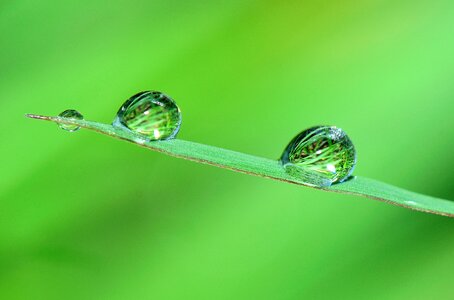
x: 83, y: 216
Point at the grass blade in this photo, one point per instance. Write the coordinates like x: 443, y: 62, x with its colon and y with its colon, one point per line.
x: 267, y: 168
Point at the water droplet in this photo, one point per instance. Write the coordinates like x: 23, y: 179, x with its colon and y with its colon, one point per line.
x: 151, y: 114
x: 320, y: 156
x: 70, y: 114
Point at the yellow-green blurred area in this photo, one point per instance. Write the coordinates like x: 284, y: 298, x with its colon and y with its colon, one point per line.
x: 84, y: 216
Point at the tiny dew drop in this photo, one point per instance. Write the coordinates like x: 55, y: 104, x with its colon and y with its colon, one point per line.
x: 73, y: 115
x: 150, y: 114
x: 320, y: 156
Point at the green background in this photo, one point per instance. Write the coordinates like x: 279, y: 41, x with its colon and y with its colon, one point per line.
x: 83, y: 216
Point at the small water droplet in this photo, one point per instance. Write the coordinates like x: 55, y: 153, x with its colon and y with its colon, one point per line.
x: 320, y: 156
x: 70, y: 114
x: 151, y: 114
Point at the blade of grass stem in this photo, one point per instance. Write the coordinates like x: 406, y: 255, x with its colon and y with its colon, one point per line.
x: 268, y: 168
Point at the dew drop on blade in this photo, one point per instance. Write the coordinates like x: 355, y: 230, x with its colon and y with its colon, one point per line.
x: 320, y: 156
x: 150, y: 114
x: 73, y: 115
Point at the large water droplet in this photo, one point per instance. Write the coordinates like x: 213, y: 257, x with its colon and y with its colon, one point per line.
x: 70, y: 114
x: 151, y: 114
x: 320, y: 156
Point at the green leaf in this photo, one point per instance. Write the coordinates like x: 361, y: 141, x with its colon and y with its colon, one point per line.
x: 267, y: 168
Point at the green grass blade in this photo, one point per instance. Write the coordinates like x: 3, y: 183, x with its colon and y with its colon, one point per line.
x: 267, y: 168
